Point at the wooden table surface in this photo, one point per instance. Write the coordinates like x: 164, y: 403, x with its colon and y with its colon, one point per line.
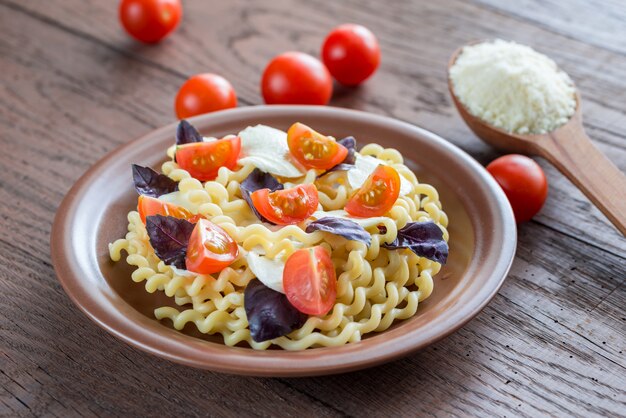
x: 74, y: 87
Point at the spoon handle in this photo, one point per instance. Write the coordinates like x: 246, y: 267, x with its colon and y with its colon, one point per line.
x: 573, y: 153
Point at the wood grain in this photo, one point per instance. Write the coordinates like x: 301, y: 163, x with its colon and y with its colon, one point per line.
x: 245, y: 37
x: 578, y: 19
x: 572, y: 152
x: 74, y: 87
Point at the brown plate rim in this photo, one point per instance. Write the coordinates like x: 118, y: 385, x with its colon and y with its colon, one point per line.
x: 177, y: 347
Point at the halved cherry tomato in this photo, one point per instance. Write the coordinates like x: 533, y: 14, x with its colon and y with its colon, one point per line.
x: 210, y: 248
x: 286, y: 207
x: 150, y: 206
x: 377, y: 195
x: 312, y: 149
x: 310, y: 281
x: 203, y: 159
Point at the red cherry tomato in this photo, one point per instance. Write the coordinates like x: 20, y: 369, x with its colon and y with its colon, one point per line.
x: 523, y: 182
x: 351, y: 53
x: 377, y: 195
x: 210, y: 248
x: 296, y: 78
x: 286, y: 207
x: 150, y: 206
x: 203, y: 159
x: 150, y: 21
x: 312, y: 149
x: 310, y: 281
x: 204, y: 93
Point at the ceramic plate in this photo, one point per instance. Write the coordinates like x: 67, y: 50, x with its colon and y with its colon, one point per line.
x: 93, y: 214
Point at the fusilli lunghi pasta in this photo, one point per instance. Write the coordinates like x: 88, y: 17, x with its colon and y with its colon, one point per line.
x: 375, y: 287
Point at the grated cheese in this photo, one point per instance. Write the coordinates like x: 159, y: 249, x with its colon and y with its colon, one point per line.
x: 513, y: 87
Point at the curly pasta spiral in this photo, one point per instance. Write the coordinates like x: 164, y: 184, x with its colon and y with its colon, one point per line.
x: 375, y: 285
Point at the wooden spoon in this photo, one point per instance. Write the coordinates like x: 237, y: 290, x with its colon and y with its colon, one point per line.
x: 569, y: 149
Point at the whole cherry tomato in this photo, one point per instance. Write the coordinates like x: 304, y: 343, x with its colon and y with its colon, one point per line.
x: 296, y: 78
x: 204, y: 93
x: 523, y: 182
x: 351, y: 53
x: 150, y: 21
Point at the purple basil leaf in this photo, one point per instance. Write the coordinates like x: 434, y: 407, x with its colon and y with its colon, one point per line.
x: 343, y: 227
x: 258, y: 180
x: 187, y: 134
x: 350, y: 143
x: 150, y: 183
x: 270, y: 315
x: 423, y: 238
x: 169, y: 237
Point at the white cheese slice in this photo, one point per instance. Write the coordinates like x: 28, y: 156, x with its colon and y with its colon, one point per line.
x: 364, y: 222
x: 364, y: 166
x: 268, y: 271
x: 266, y: 148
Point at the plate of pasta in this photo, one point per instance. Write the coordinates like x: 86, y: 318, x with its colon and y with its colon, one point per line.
x: 284, y: 240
